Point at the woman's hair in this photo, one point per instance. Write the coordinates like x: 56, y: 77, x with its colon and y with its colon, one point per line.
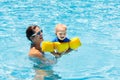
x: 30, y: 31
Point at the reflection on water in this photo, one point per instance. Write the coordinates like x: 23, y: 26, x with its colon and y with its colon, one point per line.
x: 43, y: 69
x: 42, y: 74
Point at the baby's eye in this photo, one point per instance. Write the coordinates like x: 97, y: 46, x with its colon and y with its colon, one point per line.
x: 64, y: 33
x: 60, y: 33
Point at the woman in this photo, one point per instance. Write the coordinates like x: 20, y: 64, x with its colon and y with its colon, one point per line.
x: 34, y: 34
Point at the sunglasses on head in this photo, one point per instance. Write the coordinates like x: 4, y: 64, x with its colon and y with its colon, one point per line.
x: 38, y: 33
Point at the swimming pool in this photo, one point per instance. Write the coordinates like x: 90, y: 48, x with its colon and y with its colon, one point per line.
x: 95, y: 22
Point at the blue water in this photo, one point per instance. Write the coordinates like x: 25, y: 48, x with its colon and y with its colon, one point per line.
x: 95, y: 22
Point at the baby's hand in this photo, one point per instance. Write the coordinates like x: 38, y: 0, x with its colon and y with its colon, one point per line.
x: 76, y: 49
x: 56, y: 54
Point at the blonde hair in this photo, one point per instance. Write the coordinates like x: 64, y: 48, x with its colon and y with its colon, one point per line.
x: 58, y: 26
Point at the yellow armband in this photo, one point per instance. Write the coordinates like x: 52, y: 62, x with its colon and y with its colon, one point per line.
x: 61, y: 47
x: 75, y: 43
x: 47, y: 46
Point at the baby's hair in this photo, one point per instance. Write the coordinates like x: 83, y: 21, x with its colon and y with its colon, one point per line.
x: 60, y: 25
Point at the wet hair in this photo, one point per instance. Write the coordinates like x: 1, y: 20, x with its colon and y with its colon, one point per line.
x: 30, y: 31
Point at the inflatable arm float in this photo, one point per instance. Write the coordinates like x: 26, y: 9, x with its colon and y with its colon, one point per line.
x: 48, y: 46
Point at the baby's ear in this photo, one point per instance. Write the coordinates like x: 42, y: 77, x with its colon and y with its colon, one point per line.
x: 55, y: 32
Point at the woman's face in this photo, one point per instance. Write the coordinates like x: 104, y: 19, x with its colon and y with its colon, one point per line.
x: 37, y: 36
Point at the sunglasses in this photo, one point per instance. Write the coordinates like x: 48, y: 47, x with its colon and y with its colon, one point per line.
x: 38, y: 33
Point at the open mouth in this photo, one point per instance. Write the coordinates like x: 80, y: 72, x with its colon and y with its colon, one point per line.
x: 41, y: 37
x: 62, y: 37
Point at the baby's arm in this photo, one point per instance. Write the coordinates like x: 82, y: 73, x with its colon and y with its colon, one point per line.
x: 69, y: 50
x: 56, y: 54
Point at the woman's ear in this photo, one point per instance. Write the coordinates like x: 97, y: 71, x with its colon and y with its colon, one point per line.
x: 31, y: 38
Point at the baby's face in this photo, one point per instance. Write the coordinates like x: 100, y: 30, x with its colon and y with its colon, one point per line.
x: 61, y: 35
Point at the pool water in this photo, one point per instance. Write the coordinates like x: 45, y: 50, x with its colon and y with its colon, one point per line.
x: 95, y: 22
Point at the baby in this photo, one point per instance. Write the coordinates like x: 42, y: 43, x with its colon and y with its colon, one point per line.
x: 60, y: 31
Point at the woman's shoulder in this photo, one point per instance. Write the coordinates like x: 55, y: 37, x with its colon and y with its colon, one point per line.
x: 34, y: 52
